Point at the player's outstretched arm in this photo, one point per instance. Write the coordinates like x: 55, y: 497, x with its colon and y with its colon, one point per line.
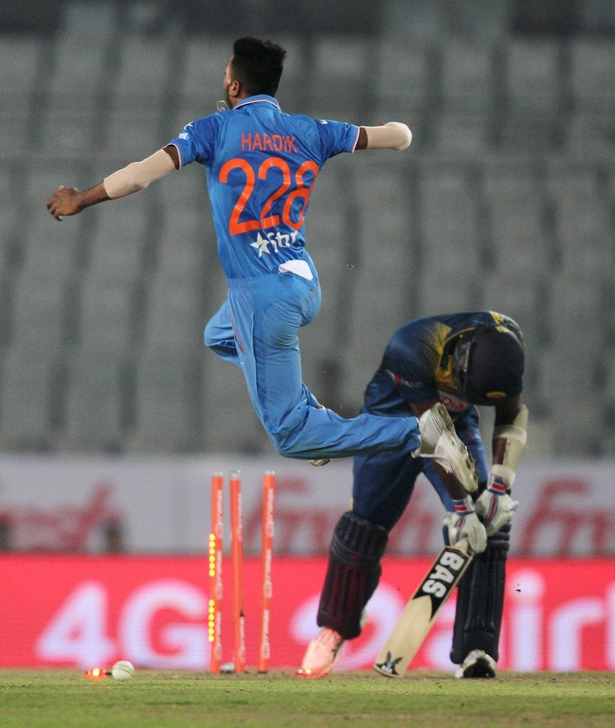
x: 67, y: 201
x: 392, y: 135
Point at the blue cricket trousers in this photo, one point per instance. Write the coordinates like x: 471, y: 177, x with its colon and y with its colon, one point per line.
x: 256, y: 328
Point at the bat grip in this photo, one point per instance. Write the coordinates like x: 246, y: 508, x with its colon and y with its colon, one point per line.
x: 463, y: 545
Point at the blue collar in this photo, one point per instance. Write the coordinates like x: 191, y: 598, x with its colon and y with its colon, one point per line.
x: 258, y: 99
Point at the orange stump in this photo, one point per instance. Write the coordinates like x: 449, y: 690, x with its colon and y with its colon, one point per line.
x: 239, y: 657
x: 214, y: 621
x: 264, y: 648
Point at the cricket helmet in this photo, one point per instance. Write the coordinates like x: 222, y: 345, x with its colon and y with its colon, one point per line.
x: 488, y: 364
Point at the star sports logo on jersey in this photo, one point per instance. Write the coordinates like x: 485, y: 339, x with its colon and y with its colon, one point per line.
x: 276, y: 240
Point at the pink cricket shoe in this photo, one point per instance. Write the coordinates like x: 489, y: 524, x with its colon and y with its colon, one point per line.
x: 322, y: 654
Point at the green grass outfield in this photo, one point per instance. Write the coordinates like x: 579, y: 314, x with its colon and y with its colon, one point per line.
x: 42, y: 699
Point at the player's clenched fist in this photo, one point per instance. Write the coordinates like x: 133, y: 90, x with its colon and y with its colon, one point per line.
x: 64, y: 201
x: 466, y: 527
x: 495, y: 506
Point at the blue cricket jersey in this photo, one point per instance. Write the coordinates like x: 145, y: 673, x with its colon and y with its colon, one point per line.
x: 261, y: 168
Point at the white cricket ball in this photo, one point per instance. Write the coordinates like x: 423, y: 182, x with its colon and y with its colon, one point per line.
x: 123, y: 670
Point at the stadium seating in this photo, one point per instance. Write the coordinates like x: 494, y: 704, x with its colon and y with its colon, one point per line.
x: 505, y: 201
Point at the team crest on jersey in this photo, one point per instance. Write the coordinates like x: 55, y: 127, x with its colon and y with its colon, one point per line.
x: 276, y: 240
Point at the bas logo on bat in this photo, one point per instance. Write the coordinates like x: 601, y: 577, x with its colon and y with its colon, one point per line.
x: 421, y: 611
x: 442, y: 578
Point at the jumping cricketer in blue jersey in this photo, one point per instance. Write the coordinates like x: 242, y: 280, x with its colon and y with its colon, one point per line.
x: 261, y: 167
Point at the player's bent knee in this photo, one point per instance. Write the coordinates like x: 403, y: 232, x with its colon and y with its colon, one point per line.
x: 286, y: 446
x: 282, y: 446
x: 500, y: 540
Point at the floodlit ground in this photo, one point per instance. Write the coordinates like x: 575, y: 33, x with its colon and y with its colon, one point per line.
x: 42, y: 699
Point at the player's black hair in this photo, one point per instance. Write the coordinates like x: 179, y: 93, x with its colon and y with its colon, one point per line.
x: 257, y: 65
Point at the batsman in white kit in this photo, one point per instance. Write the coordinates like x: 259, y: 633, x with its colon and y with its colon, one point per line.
x: 450, y: 363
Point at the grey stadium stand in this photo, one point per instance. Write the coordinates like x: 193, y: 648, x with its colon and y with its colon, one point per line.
x: 505, y: 200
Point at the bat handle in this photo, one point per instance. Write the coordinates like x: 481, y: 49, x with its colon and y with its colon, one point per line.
x: 463, y: 545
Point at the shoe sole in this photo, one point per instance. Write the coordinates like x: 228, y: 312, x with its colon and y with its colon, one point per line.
x: 439, y: 423
x: 445, y: 426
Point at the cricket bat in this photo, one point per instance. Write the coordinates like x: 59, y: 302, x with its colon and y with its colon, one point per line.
x: 422, y: 610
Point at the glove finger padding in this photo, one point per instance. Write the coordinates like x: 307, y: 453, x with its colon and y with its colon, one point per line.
x: 466, y: 527
x: 495, y: 509
x: 449, y: 529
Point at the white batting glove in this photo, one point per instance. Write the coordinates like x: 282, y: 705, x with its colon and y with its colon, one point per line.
x: 495, y: 506
x: 465, y: 524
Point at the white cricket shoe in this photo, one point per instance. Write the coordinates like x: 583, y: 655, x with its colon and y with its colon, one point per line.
x: 476, y: 664
x: 322, y: 654
x: 440, y: 442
